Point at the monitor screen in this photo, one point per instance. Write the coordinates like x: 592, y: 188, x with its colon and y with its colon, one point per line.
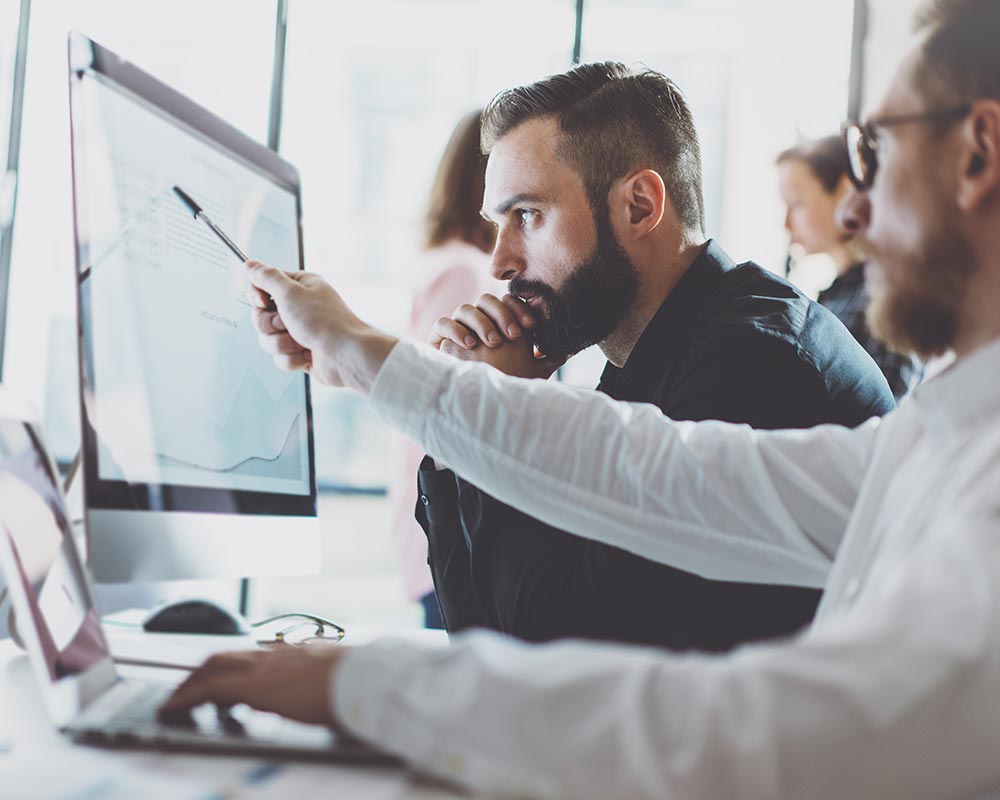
x: 182, y: 408
x: 40, y: 561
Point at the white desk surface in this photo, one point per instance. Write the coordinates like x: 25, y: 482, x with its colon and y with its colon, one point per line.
x: 37, y: 762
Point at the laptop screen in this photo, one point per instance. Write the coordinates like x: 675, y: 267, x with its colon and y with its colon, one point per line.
x: 39, y: 558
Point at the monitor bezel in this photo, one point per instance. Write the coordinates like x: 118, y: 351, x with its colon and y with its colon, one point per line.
x: 86, y: 56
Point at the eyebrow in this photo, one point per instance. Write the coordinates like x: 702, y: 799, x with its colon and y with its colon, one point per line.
x: 510, y: 202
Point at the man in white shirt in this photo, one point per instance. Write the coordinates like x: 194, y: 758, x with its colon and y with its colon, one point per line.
x: 893, y: 692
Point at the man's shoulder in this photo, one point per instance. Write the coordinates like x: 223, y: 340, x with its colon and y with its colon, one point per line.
x: 756, y: 311
x: 751, y: 300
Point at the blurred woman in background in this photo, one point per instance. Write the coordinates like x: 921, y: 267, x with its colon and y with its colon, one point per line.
x: 455, y: 269
x: 812, y: 178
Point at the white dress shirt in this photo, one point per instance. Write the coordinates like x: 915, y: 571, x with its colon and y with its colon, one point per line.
x: 894, y: 692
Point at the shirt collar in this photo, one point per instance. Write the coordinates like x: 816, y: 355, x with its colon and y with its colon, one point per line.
x: 964, y: 394
x: 664, y: 336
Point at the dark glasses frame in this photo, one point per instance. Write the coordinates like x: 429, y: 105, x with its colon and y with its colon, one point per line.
x: 861, y: 139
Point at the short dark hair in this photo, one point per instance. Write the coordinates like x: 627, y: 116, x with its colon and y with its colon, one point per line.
x: 960, y: 58
x: 613, y: 120
x: 456, y: 197
x: 826, y: 158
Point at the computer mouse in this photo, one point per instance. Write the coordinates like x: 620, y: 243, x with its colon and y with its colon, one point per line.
x: 195, y: 616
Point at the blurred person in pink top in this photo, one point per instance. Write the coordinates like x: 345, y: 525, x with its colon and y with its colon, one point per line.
x: 458, y: 244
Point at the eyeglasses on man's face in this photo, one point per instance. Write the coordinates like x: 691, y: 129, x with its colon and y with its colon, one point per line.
x: 862, y: 139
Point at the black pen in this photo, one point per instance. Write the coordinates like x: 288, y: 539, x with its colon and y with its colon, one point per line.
x: 200, y: 214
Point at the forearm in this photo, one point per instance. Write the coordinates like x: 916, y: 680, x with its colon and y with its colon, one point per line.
x: 700, y: 497
x: 581, y: 720
x: 500, y: 716
x: 863, y: 706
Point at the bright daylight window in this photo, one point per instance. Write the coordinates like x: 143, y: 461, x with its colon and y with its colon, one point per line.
x: 13, y: 26
x: 370, y: 96
x: 368, y: 104
x: 9, y: 18
x: 372, y: 92
x: 757, y: 76
x: 232, y: 76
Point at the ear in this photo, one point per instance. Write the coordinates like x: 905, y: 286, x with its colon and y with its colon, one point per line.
x: 979, y: 168
x: 641, y: 201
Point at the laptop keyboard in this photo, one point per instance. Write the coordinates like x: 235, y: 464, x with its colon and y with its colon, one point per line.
x: 126, y: 714
x: 132, y: 706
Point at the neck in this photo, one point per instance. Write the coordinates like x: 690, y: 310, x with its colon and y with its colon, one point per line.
x: 656, y: 281
x: 980, y: 324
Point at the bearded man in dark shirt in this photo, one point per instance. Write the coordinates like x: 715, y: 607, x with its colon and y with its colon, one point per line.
x: 594, y: 184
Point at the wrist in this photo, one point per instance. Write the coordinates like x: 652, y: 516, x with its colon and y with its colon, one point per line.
x: 365, y: 353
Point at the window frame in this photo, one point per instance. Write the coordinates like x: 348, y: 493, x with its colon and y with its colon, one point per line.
x: 8, y: 181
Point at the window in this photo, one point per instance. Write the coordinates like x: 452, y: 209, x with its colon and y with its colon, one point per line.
x: 372, y: 92
x: 231, y: 75
x: 757, y: 77
x: 10, y: 16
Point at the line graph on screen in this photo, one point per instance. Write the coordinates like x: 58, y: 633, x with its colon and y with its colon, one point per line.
x: 259, y: 435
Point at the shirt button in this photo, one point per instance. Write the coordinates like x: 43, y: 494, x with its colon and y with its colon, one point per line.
x: 851, y: 588
x: 423, y: 499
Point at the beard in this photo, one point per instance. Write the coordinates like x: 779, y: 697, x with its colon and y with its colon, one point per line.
x: 919, y: 309
x: 591, y: 303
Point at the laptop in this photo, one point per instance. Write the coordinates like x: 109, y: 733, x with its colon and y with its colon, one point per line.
x: 52, y: 595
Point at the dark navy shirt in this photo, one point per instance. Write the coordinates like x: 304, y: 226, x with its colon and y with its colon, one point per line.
x: 737, y: 343
x: 847, y: 298
x: 731, y: 342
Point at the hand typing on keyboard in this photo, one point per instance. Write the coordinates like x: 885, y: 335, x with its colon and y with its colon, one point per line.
x: 294, y: 682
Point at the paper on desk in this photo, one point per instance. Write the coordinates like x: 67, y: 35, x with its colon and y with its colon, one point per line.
x: 78, y: 774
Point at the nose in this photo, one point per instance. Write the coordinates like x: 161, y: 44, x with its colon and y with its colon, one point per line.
x: 507, y: 262
x: 788, y: 220
x: 853, y: 212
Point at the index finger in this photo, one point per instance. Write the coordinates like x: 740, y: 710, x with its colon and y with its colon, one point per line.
x: 501, y: 314
x: 522, y: 310
x: 446, y: 329
x: 260, y: 298
x: 267, y: 321
x: 271, y: 280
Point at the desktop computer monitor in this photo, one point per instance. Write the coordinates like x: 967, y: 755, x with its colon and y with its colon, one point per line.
x: 197, y: 450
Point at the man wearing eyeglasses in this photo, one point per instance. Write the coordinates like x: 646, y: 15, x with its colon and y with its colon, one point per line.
x: 894, y: 692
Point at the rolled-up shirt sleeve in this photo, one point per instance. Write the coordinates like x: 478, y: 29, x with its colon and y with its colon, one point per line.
x: 720, y: 500
x: 867, y: 704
